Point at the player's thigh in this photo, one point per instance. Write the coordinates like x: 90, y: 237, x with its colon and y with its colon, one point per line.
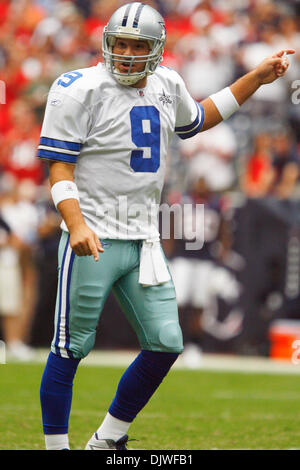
x: 152, y: 312
x: 83, y: 286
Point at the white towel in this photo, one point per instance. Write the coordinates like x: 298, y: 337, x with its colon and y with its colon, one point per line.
x: 153, y: 269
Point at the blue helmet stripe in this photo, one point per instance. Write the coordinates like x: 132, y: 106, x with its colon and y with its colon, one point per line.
x: 124, y: 22
x: 137, y: 15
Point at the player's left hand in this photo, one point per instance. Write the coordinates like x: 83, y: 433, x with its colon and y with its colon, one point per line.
x: 273, y: 67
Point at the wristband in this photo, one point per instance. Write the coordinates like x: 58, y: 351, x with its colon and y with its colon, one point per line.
x: 64, y: 190
x: 225, y: 102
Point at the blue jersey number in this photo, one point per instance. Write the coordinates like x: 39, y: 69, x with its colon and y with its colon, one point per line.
x: 71, y: 77
x: 145, y: 132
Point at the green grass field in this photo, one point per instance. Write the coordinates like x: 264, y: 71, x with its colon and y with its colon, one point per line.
x: 192, y: 409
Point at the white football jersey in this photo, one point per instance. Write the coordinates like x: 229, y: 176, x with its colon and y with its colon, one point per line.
x: 118, y: 138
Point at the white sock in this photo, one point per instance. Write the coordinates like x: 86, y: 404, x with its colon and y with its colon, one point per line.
x: 112, y: 428
x: 57, y: 441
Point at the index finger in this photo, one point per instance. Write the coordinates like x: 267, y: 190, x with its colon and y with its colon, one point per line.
x: 284, y: 52
x: 94, y: 250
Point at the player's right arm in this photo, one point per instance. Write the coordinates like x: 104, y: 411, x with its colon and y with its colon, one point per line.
x: 83, y: 241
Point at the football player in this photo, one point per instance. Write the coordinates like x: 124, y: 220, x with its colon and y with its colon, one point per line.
x: 105, y: 134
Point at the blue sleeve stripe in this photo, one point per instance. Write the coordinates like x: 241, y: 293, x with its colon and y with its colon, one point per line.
x: 63, y: 144
x: 187, y: 135
x: 189, y: 126
x: 197, y: 129
x: 201, y: 109
x: 62, y: 157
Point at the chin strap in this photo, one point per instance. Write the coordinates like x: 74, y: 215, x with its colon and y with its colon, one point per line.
x: 127, y: 79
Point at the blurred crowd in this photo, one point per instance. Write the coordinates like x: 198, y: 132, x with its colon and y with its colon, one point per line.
x: 255, y: 154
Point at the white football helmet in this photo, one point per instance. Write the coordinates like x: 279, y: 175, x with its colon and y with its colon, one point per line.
x: 134, y: 21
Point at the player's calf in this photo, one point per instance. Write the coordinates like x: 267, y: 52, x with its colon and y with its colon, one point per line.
x: 136, y: 387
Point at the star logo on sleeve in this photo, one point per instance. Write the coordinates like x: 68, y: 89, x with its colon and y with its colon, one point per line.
x: 165, y: 99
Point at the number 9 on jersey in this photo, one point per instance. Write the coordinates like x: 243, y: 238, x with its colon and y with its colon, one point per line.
x: 145, y: 134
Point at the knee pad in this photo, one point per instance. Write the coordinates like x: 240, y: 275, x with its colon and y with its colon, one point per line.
x: 85, y: 345
x: 170, y: 337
